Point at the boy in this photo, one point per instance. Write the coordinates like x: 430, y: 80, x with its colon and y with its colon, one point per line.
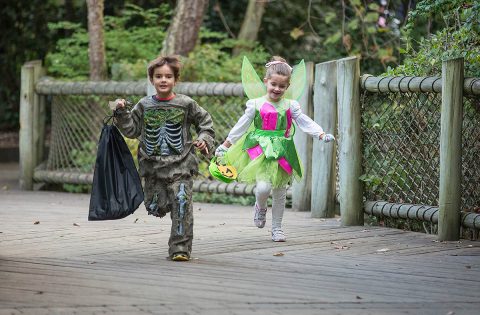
x: 166, y: 153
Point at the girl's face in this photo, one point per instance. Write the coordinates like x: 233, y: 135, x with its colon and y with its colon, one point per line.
x: 163, y: 80
x: 276, y: 85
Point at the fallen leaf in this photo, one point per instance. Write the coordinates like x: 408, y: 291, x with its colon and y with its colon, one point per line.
x: 278, y: 254
x: 382, y: 250
x: 36, y: 222
x: 75, y: 224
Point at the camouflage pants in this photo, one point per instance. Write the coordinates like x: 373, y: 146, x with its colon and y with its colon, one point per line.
x: 174, y: 196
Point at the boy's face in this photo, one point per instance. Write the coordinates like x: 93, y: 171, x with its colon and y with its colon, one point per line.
x: 276, y: 85
x: 163, y: 80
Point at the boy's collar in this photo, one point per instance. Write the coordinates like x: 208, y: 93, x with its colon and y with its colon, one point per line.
x: 172, y: 96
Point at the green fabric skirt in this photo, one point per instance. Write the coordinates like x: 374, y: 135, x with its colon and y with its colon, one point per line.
x: 259, y: 169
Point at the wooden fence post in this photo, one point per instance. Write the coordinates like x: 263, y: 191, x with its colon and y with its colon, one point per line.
x: 39, y: 115
x: 324, y: 155
x: 302, y: 190
x: 27, y: 150
x: 451, y: 150
x: 349, y: 134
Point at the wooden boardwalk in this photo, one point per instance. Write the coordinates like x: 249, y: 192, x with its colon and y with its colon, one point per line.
x: 53, y: 261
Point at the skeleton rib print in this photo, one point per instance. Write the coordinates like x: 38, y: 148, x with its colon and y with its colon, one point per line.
x: 163, y: 132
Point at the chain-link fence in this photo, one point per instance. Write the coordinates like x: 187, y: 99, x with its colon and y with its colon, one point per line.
x: 401, y: 147
x: 78, y: 119
x: 79, y: 108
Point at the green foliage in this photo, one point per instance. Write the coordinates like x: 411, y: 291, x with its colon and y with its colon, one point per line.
x: 211, y: 60
x: 24, y: 37
x: 459, y: 36
x: 131, y: 40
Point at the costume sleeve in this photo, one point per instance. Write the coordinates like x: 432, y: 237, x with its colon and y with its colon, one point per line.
x: 203, y: 126
x: 243, y: 123
x: 130, y: 122
x: 304, y: 122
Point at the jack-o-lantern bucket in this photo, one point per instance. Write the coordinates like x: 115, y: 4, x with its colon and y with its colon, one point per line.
x: 222, y: 172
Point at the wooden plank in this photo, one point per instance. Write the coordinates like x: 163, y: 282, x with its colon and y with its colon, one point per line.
x: 26, y: 145
x: 302, y: 190
x: 324, y: 170
x: 350, y: 144
x: 121, y: 266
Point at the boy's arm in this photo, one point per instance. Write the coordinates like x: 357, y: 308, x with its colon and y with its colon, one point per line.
x: 203, y: 126
x: 129, y: 122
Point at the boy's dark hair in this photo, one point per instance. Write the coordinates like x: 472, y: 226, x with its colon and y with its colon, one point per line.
x: 173, y: 61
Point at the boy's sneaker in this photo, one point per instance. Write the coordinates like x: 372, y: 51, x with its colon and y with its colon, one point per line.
x: 180, y: 257
x: 260, y: 217
x: 278, y: 235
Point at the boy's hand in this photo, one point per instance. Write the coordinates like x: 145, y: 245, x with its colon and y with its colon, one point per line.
x: 117, y: 104
x: 120, y: 103
x: 326, y: 137
x: 221, y: 150
x: 202, y: 146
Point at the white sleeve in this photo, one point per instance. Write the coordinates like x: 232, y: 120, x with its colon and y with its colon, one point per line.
x: 304, y: 122
x: 243, y: 123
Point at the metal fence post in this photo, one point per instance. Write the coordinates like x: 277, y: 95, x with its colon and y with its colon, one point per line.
x: 324, y: 155
x: 451, y: 150
x: 349, y: 134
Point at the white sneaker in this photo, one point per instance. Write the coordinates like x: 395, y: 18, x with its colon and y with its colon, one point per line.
x: 278, y: 235
x: 260, y: 217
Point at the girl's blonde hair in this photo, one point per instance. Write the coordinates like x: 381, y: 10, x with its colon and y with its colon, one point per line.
x: 278, y: 65
x: 172, y: 61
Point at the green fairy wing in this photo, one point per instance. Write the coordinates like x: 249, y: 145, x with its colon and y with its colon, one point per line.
x: 298, y: 81
x: 251, y: 82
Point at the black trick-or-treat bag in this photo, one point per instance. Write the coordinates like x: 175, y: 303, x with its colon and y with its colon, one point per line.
x: 117, y: 189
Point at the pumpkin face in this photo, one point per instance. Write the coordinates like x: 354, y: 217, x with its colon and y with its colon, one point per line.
x: 224, y: 173
x: 228, y: 171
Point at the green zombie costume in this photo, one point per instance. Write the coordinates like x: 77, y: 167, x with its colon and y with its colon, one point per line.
x: 166, y: 157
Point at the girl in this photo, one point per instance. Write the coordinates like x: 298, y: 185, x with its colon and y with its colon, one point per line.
x: 166, y: 153
x: 260, y: 146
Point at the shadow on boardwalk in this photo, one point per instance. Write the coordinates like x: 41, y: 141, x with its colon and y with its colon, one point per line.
x: 67, y: 265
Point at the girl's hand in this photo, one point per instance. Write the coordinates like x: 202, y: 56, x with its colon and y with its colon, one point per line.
x: 326, y: 137
x: 220, y: 151
x: 202, y: 146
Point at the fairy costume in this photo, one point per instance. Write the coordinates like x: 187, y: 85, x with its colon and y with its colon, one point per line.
x: 263, y: 148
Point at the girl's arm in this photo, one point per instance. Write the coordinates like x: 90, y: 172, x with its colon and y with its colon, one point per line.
x: 242, y: 124
x: 129, y: 122
x: 306, y: 123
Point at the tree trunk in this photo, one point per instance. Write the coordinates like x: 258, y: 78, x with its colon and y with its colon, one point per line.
x: 96, y: 45
x: 251, y: 23
x: 183, y: 31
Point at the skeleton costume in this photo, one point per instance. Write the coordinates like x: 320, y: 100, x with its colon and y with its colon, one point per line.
x: 166, y: 157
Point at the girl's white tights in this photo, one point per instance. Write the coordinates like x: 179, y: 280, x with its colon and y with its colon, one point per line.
x: 279, y: 196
